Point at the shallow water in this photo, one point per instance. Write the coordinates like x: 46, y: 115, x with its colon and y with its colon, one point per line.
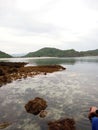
x: 69, y: 93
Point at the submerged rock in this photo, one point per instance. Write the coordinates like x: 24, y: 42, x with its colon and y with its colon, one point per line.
x: 4, y: 125
x: 64, y: 124
x: 36, y: 105
x: 43, y: 113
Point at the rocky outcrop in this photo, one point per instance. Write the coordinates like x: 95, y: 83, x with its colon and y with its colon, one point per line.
x: 10, y: 71
x: 63, y: 124
x: 36, y: 105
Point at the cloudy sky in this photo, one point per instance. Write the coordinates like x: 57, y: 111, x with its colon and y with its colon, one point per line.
x: 29, y: 25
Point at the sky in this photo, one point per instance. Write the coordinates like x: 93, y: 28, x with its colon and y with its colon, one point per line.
x: 29, y: 25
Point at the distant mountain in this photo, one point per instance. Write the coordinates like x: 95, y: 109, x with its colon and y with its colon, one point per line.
x: 4, y: 55
x: 18, y: 55
x: 53, y: 52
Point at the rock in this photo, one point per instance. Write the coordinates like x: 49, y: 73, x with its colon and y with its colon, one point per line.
x: 64, y: 124
x: 43, y: 113
x: 36, y: 105
x: 10, y: 71
x: 4, y: 125
x: 1, y: 72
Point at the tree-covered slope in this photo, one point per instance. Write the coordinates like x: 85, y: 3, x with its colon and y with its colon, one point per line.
x: 90, y: 53
x: 53, y: 52
x: 4, y: 55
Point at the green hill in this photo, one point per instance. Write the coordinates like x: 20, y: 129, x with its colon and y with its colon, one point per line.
x: 4, y: 55
x: 53, y: 52
x: 90, y: 53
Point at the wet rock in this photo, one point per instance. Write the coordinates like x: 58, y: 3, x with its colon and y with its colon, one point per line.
x: 13, y: 70
x: 10, y: 71
x: 64, y: 124
x: 13, y: 64
x: 1, y: 72
x: 36, y: 105
x: 43, y: 113
x: 4, y: 125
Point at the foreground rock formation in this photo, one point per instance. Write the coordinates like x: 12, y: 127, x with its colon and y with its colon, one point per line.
x: 36, y: 105
x: 10, y: 71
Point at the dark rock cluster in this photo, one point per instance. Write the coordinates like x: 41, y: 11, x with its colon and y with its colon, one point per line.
x: 38, y: 105
x: 10, y: 71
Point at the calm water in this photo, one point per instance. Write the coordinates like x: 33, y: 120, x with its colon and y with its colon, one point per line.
x: 69, y: 93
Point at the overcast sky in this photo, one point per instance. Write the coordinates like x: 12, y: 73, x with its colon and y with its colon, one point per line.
x: 29, y: 25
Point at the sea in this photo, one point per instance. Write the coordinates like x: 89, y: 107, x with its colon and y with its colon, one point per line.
x: 69, y: 93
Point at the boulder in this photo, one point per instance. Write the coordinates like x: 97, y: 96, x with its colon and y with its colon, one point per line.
x: 63, y: 124
x: 36, y: 105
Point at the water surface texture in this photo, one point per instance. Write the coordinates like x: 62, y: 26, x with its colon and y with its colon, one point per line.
x: 69, y: 93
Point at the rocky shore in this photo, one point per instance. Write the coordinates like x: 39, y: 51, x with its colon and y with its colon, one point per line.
x: 10, y: 71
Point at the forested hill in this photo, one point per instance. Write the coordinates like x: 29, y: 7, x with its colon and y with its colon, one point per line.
x: 53, y: 52
x: 90, y: 52
x: 4, y: 55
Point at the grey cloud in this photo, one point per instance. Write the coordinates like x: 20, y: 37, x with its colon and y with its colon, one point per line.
x: 26, y: 23
x: 92, y: 37
x: 48, y: 6
x: 92, y: 4
x: 90, y: 41
x: 6, y: 6
x: 29, y: 23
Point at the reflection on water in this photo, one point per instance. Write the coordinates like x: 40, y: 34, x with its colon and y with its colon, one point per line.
x: 69, y: 93
x: 53, y: 60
